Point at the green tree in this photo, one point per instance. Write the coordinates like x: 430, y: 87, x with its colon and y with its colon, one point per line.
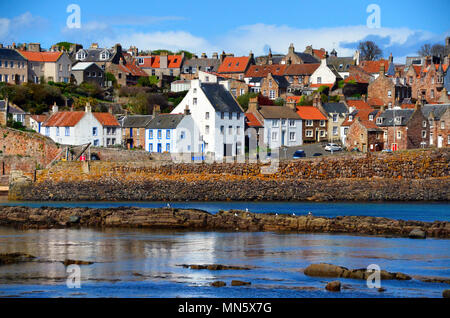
x: 245, y: 98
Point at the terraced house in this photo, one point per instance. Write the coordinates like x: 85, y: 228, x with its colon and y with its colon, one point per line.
x: 13, y: 67
x: 51, y: 66
x: 439, y: 122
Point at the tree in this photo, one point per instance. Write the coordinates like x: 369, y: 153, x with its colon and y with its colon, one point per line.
x: 437, y: 50
x: 245, y: 98
x: 369, y: 51
x: 425, y: 50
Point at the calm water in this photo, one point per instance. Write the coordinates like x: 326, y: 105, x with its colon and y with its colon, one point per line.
x: 143, y: 263
x: 405, y: 211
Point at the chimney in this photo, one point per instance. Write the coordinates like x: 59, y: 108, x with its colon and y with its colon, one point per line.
x: 316, y: 101
x: 88, y: 108
x: 186, y: 110
x: 54, y: 108
x: 418, y: 105
x: 382, y: 70
x: 163, y: 60
x: 94, y: 46
x: 156, y: 110
x: 291, y: 48
x: 215, y: 55
x: 251, y: 55
x: 253, y: 104
x: 34, y: 47
x: 121, y: 61
x: 204, y: 56
x: 118, y: 49
x: 292, y: 105
x: 222, y: 56
x: 391, y: 59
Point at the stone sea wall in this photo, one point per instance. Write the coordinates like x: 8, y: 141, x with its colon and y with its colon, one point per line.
x: 407, y: 176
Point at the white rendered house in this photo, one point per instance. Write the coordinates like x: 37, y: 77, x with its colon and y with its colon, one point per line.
x: 219, y: 118
x: 82, y: 127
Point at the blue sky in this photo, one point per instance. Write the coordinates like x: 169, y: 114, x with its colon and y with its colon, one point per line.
x: 234, y: 26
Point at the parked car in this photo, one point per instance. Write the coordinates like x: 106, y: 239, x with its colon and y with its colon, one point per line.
x: 299, y: 154
x: 317, y: 154
x: 333, y: 147
x: 387, y: 151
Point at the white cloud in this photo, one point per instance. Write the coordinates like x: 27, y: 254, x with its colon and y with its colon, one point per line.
x: 12, y: 29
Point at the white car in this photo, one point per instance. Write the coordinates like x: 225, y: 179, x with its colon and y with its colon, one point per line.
x: 333, y: 147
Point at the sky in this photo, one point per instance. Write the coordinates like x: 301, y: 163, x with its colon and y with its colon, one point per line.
x: 234, y: 26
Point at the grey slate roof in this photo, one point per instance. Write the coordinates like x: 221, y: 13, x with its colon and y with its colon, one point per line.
x: 346, y: 62
x: 276, y: 112
x: 307, y: 58
x: 93, y: 55
x: 136, y: 121
x: 332, y: 108
x: 9, y: 54
x: 281, y: 81
x: 220, y: 98
x: 165, y: 121
x: 437, y: 110
x: 203, y: 63
x: 13, y: 109
x: 388, y: 117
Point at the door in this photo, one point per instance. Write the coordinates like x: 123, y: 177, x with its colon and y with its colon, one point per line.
x: 394, y: 147
x: 159, y: 148
x: 440, y: 141
x: 283, y: 136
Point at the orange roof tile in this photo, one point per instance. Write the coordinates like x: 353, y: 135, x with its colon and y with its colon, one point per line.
x: 408, y: 106
x: 106, y: 119
x: 358, y: 104
x: 263, y: 70
x: 64, y: 119
x: 318, y: 85
x: 357, y: 78
x: 295, y: 99
x: 39, y: 118
x: 41, y: 56
x: 133, y: 69
x: 153, y: 61
x: 233, y: 64
x: 310, y: 113
x: 301, y: 69
x: 374, y: 66
x: 375, y: 102
x: 319, y: 53
x: 252, y: 121
x: 363, y: 116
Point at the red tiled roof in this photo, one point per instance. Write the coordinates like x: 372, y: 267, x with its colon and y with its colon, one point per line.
x: 310, y: 113
x: 41, y: 56
x: 358, y: 104
x: 252, y: 121
x: 363, y: 116
x: 318, y: 85
x: 374, y: 66
x: 357, y: 78
x: 133, y: 69
x: 173, y: 61
x: 263, y: 70
x: 375, y: 102
x: 233, y: 64
x: 301, y: 69
x: 39, y: 118
x: 319, y: 53
x: 296, y: 99
x: 64, y: 119
x: 106, y: 119
x: 408, y: 106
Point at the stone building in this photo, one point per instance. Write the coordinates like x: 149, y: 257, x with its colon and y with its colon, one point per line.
x: 404, y: 128
x: 387, y: 90
x: 363, y: 133
x: 88, y: 72
x: 236, y: 67
x: 299, y: 75
x: 439, y: 122
x: 192, y: 66
x: 293, y: 57
x: 273, y: 86
x: 103, y: 57
x: 52, y: 66
x: 314, y: 124
x: 162, y: 65
x: 133, y: 130
x: 335, y: 113
x: 13, y: 67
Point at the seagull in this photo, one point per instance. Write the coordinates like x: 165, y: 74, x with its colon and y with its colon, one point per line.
x: 293, y: 214
x: 235, y: 214
x: 246, y: 209
x: 310, y: 213
x: 276, y: 214
x: 168, y: 205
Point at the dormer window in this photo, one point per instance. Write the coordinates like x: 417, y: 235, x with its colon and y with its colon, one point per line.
x: 398, y: 120
x: 350, y: 118
x: 104, y: 55
x: 379, y: 120
x: 371, y: 117
x: 140, y: 60
x: 81, y: 55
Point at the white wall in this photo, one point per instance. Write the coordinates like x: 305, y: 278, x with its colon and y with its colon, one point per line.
x: 324, y: 72
x: 269, y: 129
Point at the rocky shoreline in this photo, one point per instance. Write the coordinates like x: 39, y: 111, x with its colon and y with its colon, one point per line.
x: 190, y: 219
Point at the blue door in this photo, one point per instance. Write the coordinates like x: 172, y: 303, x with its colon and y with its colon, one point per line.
x: 159, y: 148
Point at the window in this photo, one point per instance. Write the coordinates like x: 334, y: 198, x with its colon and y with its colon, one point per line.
x: 94, y: 131
x: 230, y: 130
x: 207, y: 115
x: 335, y: 131
x: 399, y: 135
x: 442, y: 124
x: 292, y: 136
x: 222, y: 130
x: 322, y: 133
x: 57, y: 131
x: 398, y: 120
x: 448, y: 139
x: 242, y: 91
x: 150, y: 147
x: 113, y: 141
x: 150, y: 134
x: 207, y: 130
x: 319, y: 80
x: 424, y: 134
x: 275, y: 123
x: 379, y: 120
x: 159, y: 134
x: 222, y: 115
x: 283, y: 122
x: 274, y: 135
x: 194, y: 101
x: 270, y: 83
x: 182, y: 135
x: 424, y: 124
x: 335, y: 118
x: 389, y: 93
x: 67, y: 131
x: 238, y: 130
x: 309, y: 123
x: 322, y: 123
x: 47, y: 131
x: 345, y: 131
x: 168, y: 134
x: 309, y: 133
x: 291, y: 123
x: 230, y: 115
x: 238, y: 116
x: 233, y: 91
x: 350, y: 118
x: 371, y: 117
x: 194, y: 90
x: 108, y: 141
x: 272, y: 94
x: 168, y: 147
x: 432, y: 93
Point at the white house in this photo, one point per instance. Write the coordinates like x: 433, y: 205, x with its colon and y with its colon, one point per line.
x: 82, y: 127
x: 219, y: 118
x: 36, y: 122
x: 180, y: 86
x: 324, y: 75
x: 172, y: 133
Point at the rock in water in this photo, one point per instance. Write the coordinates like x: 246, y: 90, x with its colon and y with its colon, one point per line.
x: 417, y: 234
x: 239, y: 283
x: 334, y: 286
x: 325, y: 270
x: 446, y: 293
x: 68, y: 262
x: 218, y: 284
